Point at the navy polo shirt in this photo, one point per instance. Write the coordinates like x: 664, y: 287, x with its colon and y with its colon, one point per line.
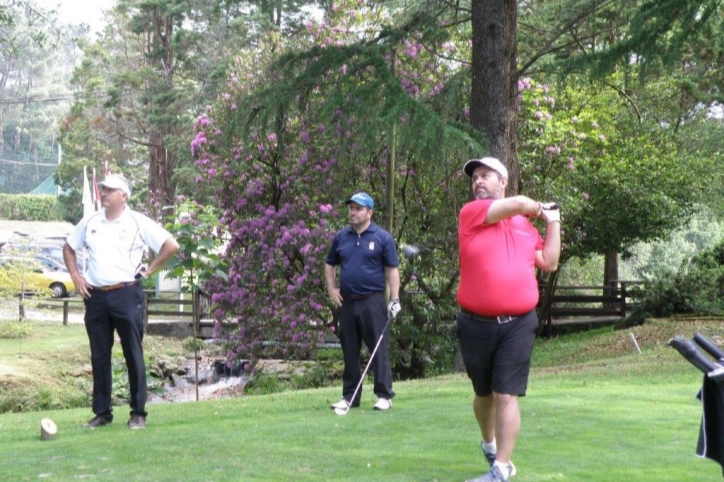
x: 363, y: 259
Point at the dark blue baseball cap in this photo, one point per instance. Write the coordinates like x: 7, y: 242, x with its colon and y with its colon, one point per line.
x: 363, y: 199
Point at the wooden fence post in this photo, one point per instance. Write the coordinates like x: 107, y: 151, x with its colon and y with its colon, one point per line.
x: 196, y: 311
x: 145, y: 311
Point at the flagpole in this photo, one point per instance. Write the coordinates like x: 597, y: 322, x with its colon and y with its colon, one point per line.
x: 96, y: 193
x: 86, y: 199
x: 60, y: 157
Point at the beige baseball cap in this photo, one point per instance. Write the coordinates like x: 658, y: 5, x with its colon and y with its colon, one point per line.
x: 490, y: 162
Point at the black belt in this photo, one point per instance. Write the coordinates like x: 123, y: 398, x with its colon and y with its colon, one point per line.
x: 115, y: 286
x: 359, y: 297
x: 495, y: 319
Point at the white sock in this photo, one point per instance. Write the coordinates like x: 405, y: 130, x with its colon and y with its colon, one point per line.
x: 490, y: 448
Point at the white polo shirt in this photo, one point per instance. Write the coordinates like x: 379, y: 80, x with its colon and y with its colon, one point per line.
x: 115, y: 248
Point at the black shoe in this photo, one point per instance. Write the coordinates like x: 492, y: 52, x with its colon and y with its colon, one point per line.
x: 136, y: 422
x: 98, y: 421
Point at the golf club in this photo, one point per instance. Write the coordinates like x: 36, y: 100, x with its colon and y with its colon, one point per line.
x: 343, y: 411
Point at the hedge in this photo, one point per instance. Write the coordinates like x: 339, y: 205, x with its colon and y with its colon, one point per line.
x: 28, y: 207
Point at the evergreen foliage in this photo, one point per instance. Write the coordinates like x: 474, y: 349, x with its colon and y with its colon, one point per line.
x: 297, y: 112
x: 305, y: 123
x: 323, y: 124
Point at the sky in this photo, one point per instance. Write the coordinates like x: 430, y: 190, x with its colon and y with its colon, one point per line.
x: 80, y: 11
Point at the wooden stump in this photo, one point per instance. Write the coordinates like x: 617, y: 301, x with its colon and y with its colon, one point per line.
x: 47, y: 429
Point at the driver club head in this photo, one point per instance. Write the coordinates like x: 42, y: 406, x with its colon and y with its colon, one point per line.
x: 340, y: 411
x: 410, y: 251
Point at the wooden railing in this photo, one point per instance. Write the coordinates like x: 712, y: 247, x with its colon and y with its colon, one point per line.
x: 65, y: 302
x: 587, y: 304
x: 193, y: 309
x: 569, y: 305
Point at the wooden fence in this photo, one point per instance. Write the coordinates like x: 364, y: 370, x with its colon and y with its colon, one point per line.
x: 591, y: 304
x: 570, y: 305
x: 169, y: 305
x: 194, y: 309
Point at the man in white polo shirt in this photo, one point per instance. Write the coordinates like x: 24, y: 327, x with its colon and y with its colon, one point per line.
x: 116, y: 238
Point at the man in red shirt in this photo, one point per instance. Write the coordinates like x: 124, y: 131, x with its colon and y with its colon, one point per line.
x: 499, y: 252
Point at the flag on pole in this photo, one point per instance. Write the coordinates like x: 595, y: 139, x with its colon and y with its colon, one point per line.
x: 87, y: 199
x: 96, y: 192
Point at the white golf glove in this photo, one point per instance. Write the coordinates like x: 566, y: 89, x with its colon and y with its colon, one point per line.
x: 394, y: 307
x: 550, y: 212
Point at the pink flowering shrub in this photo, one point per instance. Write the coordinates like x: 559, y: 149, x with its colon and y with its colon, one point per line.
x: 270, y: 196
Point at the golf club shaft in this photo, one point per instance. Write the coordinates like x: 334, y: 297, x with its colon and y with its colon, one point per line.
x: 372, y: 357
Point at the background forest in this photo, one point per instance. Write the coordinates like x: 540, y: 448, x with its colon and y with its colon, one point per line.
x: 256, y: 119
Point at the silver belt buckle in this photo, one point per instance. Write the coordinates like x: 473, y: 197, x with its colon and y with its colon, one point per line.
x: 503, y: 319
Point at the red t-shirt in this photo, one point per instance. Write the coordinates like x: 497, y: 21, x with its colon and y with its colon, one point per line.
x: 497, y: 262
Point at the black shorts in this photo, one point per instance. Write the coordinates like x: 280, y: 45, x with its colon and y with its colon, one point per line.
x: 497, y: 356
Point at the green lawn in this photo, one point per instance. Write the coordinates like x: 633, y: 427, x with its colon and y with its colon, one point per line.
x: 632, y: 417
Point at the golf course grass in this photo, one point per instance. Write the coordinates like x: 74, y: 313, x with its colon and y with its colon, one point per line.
x: 587, y: 417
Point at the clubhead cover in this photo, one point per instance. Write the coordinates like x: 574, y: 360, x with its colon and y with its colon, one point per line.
x: 689, y: 350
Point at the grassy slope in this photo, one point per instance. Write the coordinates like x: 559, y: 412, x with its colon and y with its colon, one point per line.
x: 595, y: 411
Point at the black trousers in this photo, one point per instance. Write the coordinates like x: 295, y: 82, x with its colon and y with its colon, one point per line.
x: 118, y: 310
x: 362, y: 321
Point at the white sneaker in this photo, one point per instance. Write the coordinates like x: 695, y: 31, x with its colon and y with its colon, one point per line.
x: 383, y: 404
x: 496, y: 474
x: 342, y: 404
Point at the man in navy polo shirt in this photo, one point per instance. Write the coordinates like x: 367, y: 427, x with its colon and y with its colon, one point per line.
x: 367, y: 257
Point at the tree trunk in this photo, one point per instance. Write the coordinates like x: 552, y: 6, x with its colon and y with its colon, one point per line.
x: 162, y: 160
x: 494, y: 81
x: 160, y: 170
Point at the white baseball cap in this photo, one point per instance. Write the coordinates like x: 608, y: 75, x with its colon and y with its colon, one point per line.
x: 490, y: 162
x: 115, y: 181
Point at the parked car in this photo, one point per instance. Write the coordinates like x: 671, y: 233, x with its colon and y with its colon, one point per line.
x: 33, y: 274
x: 50, y: 263
x: 46, y: 249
